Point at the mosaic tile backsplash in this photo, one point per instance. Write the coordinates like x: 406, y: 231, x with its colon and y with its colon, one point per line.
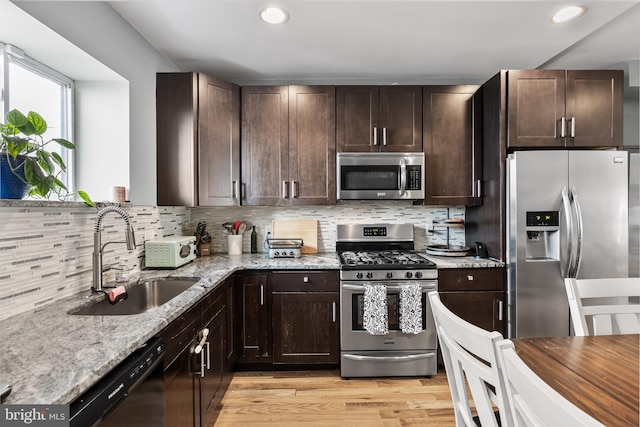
x: 45, y: 252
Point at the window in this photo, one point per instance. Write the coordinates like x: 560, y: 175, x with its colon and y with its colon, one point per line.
x: 29, y: 85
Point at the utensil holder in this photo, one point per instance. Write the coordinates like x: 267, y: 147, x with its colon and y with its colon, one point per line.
x: 235, y: 244
x: 204, y: 249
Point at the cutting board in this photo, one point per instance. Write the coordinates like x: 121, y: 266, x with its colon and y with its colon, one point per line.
x: 305, y: 229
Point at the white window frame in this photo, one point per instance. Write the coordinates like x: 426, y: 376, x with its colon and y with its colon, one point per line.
x: 12, y: 54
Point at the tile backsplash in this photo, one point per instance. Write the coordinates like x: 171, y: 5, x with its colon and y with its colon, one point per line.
x: 45, y: 252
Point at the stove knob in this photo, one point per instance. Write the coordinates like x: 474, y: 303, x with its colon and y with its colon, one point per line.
x: 389, y: 275
x: 290, y: 253
x: 409, y: 275
x: 418, y: 274
x: 369, y: 275
x: 276, y: 253
x: 358, y: 275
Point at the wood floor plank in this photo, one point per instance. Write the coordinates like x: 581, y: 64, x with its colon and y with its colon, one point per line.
x: 323, y: 399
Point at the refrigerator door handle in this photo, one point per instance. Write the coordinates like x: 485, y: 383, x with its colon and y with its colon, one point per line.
x: 579, y: 227
x: 565, y: 264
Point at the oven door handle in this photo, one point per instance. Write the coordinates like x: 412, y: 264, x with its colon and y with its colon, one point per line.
x: 390, y: 358
x: 425, y: 286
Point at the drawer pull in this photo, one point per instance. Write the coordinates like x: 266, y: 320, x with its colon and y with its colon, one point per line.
x: 470, y: 278
x: 305, y: 279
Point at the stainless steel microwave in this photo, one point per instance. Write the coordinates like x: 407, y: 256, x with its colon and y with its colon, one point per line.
x: 380, y: 176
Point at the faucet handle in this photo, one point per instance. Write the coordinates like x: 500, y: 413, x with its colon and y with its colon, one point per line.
x: 131, y: 239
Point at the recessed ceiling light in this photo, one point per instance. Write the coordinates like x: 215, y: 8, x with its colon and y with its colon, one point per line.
x: 568, y: 14
x: 274, y: 15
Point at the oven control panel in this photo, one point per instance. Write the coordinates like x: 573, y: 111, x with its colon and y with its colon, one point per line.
x: 380, y: 275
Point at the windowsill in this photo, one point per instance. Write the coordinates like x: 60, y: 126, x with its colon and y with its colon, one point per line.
x: 17, y: 203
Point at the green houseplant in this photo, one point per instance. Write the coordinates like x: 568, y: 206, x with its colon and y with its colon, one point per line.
x: 24, y: 149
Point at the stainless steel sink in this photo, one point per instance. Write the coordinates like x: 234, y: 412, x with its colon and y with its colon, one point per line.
x: 142, y: 297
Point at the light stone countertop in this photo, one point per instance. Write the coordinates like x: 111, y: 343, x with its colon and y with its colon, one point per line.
x: 50, y: 357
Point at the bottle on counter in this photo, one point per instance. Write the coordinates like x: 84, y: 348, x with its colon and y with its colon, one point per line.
x: 254, y: 240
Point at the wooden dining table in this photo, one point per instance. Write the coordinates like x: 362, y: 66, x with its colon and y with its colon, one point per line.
x: 598, y: 374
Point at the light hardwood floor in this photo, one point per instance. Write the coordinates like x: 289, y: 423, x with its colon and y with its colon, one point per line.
x: 322, y: 398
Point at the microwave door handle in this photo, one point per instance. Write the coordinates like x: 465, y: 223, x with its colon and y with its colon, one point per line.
x: 403, y: 177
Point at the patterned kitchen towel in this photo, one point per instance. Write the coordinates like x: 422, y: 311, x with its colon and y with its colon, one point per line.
x: 375, y: 317
x: 411, y: 308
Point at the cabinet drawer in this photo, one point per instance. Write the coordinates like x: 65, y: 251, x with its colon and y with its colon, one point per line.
x: 181, y: 331
x: 471, y: 279
x: 304, y: 281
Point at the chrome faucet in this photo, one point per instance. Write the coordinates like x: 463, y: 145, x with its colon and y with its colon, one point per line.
x: 98, y: 247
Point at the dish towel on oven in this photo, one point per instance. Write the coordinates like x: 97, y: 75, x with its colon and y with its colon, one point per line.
x: 411, y: 308
x: 375, y: 318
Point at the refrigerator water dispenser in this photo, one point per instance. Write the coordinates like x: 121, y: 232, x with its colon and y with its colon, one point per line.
x: 543, y: 242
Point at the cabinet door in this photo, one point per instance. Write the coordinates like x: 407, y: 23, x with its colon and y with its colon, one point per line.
x: 218, y: 142
x: 357, y: 115
x: 254, y: 325
x: 312, y: 145
x: 180, y: 390
x: 594, y: 108
x: 305, y: 327
x: 211, y: 364
x: 535, y: 108
x: 176, y: 129
x: 451, y: 138
x: 400, y: 119
x: 483, y: 309
x: 265, y: 150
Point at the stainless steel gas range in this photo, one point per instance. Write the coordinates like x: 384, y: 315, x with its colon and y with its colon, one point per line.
x: 378, y: 263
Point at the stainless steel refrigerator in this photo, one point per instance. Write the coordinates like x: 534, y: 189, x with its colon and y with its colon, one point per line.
x: 567, y: 216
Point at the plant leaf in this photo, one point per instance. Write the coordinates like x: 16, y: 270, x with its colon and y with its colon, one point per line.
x: 32, y: 172
x: 39, y: 124
x: 56, y: 158
x: 85, y: 197
x: 65, y: 143
x: 44, y: 160
x: 16, y: 118
x: 59, y: 184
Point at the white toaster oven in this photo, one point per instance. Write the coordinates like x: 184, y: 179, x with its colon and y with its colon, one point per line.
x: 170, y: 252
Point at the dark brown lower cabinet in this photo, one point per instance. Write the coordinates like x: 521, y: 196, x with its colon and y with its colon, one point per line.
x: 476, y: 295
x: 305, y: 327
x: 180, y: 389
x: 254, y: 323
x: 197, y: 370
x: 480, y: 308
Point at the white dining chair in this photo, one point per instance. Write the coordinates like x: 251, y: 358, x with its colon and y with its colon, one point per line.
x: 469, y: 356
x: 604, y: 306
x: 532, y: 401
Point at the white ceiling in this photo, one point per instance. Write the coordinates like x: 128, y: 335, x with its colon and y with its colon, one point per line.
x: 385, y: 41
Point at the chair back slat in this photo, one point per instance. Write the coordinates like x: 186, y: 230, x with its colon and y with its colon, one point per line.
x: 533, y: 402
x: 604, y: 306
x: 469, y: 355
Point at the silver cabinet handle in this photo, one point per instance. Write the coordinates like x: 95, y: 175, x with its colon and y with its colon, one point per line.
x: 334, y: 312
x: 384, y: 136
x: 285, y: 189
x: 469, y: 278
x: 563, y: 127
x: 305, y: 279
x: 573, y: 127
x: 500, y: 310
x: 478, y: 188
x: 235, y: 190
x: 294, y: 189
x: 375, y: 136
x: 261, y: 294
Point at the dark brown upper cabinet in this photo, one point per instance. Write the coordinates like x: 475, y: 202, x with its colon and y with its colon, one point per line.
x: 558, y: 108
x: 288, y: 145
x: 452, y: 145
x: 379, y: 118
x: 198, y: 140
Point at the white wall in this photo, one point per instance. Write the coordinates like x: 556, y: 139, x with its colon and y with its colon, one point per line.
x: 101, y: 32
x: 103, y: 126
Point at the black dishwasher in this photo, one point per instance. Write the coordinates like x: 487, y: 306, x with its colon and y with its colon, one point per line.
x: 131, y: 394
